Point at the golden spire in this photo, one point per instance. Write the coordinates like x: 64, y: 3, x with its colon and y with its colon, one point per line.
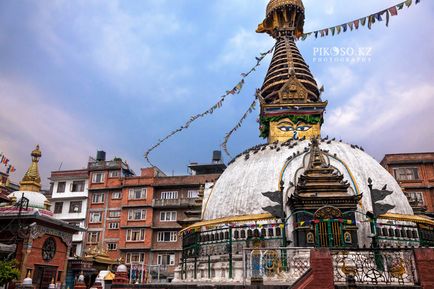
x: 32, y: 181
x: 291, y: 105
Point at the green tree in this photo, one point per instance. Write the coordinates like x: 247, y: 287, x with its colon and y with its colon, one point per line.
x: 8, y: 272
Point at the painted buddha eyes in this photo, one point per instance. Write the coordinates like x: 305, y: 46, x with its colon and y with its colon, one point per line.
x: 287, y: 128
x: 303, y: 128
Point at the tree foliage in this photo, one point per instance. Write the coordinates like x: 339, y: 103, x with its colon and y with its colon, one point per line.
x: 8, y: 272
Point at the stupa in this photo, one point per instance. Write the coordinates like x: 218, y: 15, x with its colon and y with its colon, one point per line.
x: 299, y: 189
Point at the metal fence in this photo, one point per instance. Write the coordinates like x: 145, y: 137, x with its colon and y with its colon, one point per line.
x: 375, y: 266
x: 275, y: 265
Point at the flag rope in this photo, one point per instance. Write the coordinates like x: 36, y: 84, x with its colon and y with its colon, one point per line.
x: 251, y: 108
x: 355, y: 24
x: 235, y: 90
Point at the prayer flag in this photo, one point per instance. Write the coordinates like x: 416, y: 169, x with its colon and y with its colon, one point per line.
x: 408, y: 3
x: 356, y: 23
x: 387, y: 18
x: 378, y: 16
x: 344, y: 27
x: 393, y: 11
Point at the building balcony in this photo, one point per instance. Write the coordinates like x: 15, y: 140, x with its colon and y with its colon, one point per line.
x: 174, y: 203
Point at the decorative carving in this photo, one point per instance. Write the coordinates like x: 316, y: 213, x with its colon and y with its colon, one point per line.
x: 49, y: 249
x: 293, y: 92
x: 328, y: 212
x: 38, y: 231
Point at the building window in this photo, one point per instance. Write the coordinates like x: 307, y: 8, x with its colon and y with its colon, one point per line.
x: 75, y: 207
x: 98, y: 198
x: 112, y: 246
x: 95, y: 217
x: 61, y: 187
x: 137, y: 194
x: 116, y: 195
x: 136, y: 214
x: 415, y: 198
x: 114, y: 214
x: 77, y: 186
x: 134, y: 258
x: 114, y: 226
x: 135, y: 235
x: 73, y: 250
x: 166, y: 259
x: 58, y: 207
x: 98, y: 177
x: 169, y: 195
x: 93, y: 237
x: 192, y: 194
x: 167, y: 237
x: 167, y: 216
x: 406, y: 174
x: 114, y: 174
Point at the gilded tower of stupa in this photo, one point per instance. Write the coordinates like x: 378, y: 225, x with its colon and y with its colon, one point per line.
x: 291, y: 106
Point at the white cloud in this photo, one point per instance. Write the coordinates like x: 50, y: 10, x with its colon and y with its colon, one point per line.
x: 241, y: 48
x: 394, y: 114
x: 27, y: 119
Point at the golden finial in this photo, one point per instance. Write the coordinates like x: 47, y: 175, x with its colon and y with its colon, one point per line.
x: 283, y: 15
x: 32, y: 181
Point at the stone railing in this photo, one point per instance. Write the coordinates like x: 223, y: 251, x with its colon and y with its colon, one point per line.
x: 375, y: 266
x: 275, y: 265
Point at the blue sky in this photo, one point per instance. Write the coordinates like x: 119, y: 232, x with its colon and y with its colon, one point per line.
x: 77, y: 76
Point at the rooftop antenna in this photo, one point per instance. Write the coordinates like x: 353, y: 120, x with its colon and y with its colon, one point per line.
x: 61, y: 163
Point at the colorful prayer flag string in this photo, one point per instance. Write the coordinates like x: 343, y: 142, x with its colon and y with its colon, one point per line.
x: 6, y: 162
x: 252, y: 107
x: 235, y: 90
x: 355, y: 24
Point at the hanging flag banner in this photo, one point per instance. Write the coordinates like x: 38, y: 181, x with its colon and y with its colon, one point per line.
x: 252, y: 107
x: 355, y: 24
x: 6, y: 162
x: 235, y: 90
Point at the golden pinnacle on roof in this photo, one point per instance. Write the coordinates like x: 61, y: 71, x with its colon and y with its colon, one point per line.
x: 283, y: 16
x: 32, y: 181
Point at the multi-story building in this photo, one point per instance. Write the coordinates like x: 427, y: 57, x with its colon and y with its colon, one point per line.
x: 138, y: 218
x: 69, y: 203
x: 175, y: 200
x: 105, y: 203
x: 415, y: 173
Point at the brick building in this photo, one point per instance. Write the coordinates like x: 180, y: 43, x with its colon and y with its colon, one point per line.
x: 138, y: 218
x: 105, y: 202
x: 415, y: 173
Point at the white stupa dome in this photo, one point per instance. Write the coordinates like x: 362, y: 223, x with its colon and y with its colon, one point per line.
x: 238, y: 191
x: 36, y: 199
x: 122, y: 269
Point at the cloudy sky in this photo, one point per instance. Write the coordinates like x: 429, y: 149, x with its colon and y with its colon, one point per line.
x: 78, y: 76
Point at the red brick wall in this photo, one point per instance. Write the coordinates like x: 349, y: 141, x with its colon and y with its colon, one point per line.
x: 425, y: 265
x: 321, y: 274
x: 425, y: 164
x: 35, y: 256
